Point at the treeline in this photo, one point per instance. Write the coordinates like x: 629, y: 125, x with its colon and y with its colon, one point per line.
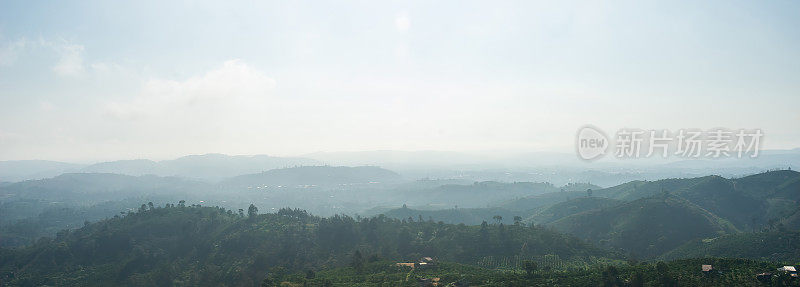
x: 196, y: 245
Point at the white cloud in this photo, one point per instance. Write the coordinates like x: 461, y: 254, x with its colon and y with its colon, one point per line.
x: 71, y: 61
x: 235, y: 85
x: 232, y: 108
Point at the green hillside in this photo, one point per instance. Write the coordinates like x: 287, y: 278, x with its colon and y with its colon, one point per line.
x: 778, y: 183
x: 749, y: 203
x: 640, y: 189
x: 646, y: 227
x: 570, y: 207
x: 771, y: 246
x: 192, y: 245
x: 720, y: 196
x: 540, y: 201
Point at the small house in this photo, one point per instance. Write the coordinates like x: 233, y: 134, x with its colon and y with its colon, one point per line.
x: 426, y: 262
x: 706, y: 268
x: 789, y: 269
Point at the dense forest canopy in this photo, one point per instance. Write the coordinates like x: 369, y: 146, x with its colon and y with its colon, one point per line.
x: 178, y: 241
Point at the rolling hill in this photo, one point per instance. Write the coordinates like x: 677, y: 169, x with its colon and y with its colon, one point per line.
x: 748, y: 202
x: 88, y: 188
x: 210, y: 167
x: 645, y: 227
x: 86, y: 196
x: 540, y: 201
x: 770, y: 246
x: 571, y: 207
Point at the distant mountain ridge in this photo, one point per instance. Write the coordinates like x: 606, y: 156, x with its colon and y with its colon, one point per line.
x: 530, y: 166
x: 19, y: 170
x: 209, y: 167
x: 315, y: 175
x: 212, y: 167
x: 88, y: 188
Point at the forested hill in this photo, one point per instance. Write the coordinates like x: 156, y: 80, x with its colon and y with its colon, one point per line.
x: 571, y: 207
x: 749, y: 202
x: 649, y: 218
x: 773, y: 245
x: 646, y: 227
x: 193, y: 245
x: 90, y: 188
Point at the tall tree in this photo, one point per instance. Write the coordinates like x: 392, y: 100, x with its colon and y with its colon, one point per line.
x: 497, y: 218
x: 252, y: 211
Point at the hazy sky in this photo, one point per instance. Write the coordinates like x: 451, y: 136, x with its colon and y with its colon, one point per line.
x: 93, y: 80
